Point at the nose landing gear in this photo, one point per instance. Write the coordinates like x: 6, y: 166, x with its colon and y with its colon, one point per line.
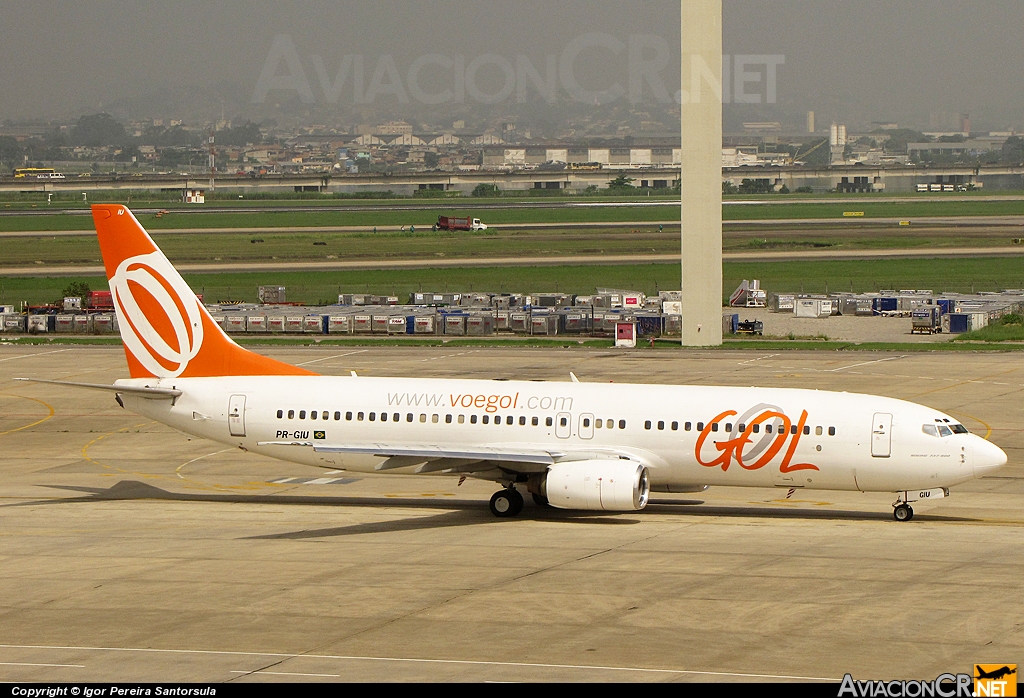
x: 903, y: 512
x: 506, y: 503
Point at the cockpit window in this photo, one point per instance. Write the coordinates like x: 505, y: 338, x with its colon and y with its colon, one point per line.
x: 944, y: 430
x: 959, y: 429
x: 930, y: 430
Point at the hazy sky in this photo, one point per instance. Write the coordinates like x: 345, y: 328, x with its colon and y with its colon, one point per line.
x: 912, y: 60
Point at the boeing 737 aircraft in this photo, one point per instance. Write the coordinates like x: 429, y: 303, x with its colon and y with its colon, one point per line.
x: 571, y: 445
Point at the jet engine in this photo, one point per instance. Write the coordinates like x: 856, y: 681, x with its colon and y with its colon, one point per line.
x: 596, y: 485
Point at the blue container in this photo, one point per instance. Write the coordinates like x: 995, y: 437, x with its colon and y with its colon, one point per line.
x: 959, y: 322
x: 889, y: 304
x: 410, y: 324
x: 945, y: 305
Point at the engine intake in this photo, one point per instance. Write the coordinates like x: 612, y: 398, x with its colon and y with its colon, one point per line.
x: 597, y: 485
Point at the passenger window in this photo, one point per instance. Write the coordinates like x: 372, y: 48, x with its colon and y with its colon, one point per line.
x: 462, y: 419
x: 597, y: 423
x: 396, y: 417
x: 337, y: 416
x: 326, y: 415
x: 447, y: 419
x: 807, y: 430
x: 433, y: 418
x: 383, y: 416
x: 472, y: 419
x: 348, y: 416
x: 714, y: 426
x: 728, y: 427
x: 742, y: 428
x: 818, y: 431
x: 622, y: 424
x: 831, y: 431
x: 280, y: 414
x: 767, y: 428
x: 757, y: 428
x: 586, y: 422
x: 522, y: 421
x: 359, y: 417
x: 563, y: 421
x: 291, y: 414
x: 510, y: 420
x: 686, y: 427
x: 409, y: 417
x: 700, y: 426
x: 423, y: 419
x: 302, y: 414
x: 661, y: 426
x: 548, y: 421
x: 534, y: 421
x: 497, y: 420
x: 373, y: 416
x: 486, y: 419
x: 675, y: 426
x: 312, y: 414
x: 792, y: 430
x: 647, y: 424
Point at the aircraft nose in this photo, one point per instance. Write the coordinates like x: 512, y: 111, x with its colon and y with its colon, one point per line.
x: 987, y: 458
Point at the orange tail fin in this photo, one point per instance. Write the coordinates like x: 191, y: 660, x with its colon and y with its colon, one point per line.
x: 166, y: 331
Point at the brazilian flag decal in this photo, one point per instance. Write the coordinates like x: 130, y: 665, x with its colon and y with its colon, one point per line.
x: 319, y: 435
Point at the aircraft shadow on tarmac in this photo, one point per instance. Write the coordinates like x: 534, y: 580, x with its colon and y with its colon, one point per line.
x: 466, y: 512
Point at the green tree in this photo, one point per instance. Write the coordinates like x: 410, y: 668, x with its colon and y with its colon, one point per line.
x: 729, y: 188
x: 486, y: 190
x: 96, y: 130
x: 621, y: 182
x: 76, y: 289
x: 247, y: 133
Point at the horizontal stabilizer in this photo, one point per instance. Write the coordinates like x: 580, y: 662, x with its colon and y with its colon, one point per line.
x: 430, y: 452
x: 141, y: 391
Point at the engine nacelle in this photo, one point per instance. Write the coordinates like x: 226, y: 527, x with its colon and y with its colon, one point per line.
x: 597, y: 485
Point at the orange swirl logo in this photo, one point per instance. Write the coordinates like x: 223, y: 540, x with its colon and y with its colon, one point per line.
x: 162, y: 324
x: 750, y: 453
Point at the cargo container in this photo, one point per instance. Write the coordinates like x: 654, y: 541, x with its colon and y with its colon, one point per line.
x: 672, y: 307
x: 812, y: 308
x: 519, y: 322
x: 314, y: 324
x: 272, y: 295
x: 884, y: 304
x: 256, y: 323
x: 648, y: 325
x: 380, y: 323
x: 218, y: 319
x: 42, y: 324
x: 339, y: 324
x: 455, y: 324
x: 100, y: 300
x: 544, y: 324
x: 674, y: 325
x: 294, y: 323
x: 13, y: 323
x: 574, y: 323
x: 424, y: 324
x: 730, y: 323
x: 64, y: 324
x: 926, y: 320
x: 234, y: 323
x: 82, y: 324
x: 104, y: 323
x: 959, y: 323
x: 781, y: 303
x: 397, y: 324
x: 480, y: 324
x: 978, y: 321
x: 275, y: 323
x: 362, y: 324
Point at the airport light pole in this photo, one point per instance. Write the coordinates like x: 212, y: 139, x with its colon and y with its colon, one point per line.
x: 701, y: 172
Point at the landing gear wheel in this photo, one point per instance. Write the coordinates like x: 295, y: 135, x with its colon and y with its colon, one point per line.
x: 540, y: 500
x: 903, y: 512
x: 506, y: 503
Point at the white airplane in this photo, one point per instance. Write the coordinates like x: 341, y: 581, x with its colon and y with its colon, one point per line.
x: 572, y: 445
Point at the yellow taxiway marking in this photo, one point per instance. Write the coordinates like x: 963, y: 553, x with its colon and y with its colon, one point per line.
x: 988, y: 429
x: 29, y: 426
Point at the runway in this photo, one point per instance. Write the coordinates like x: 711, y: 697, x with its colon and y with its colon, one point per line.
x: 131, y: 553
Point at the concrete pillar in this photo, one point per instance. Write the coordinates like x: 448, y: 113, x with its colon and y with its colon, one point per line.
x: 701, y: 108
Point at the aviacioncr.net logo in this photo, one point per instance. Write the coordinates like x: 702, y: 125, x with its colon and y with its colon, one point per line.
x: 161, y: 323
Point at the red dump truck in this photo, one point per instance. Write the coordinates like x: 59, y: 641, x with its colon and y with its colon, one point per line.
x: 451, y: 223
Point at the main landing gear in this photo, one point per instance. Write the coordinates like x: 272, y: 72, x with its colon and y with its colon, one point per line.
x: 506, y: 503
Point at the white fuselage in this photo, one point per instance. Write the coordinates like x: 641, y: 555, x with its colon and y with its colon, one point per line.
x: 687, y: 436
